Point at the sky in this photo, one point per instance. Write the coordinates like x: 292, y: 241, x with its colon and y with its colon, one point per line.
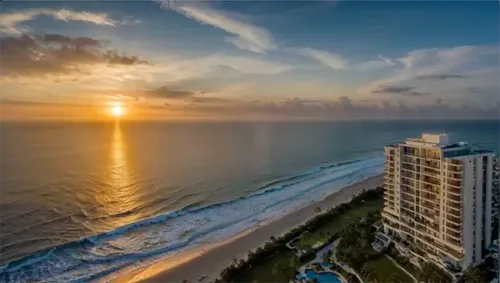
x: 237, y: 60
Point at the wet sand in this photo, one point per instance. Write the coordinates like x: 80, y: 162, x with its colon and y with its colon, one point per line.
x: 211, y: 260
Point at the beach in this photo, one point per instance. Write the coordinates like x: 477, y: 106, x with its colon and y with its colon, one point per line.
x: 210, y: 261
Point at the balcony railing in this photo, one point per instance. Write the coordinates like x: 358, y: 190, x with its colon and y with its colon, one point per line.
x: 455, y: 168
x: 456, y: 235
x: 430, y: 180
x: 454, y: 175
x: 455, y: 227
x: 455, y: 198
x: 453, y: 190
x: 454, y: 162
x: 432, y: 164
x: 407, y: 166
x: 454, y: 205
x: 432, y: 171
x: 453, y: 219
x: 428, y: 196
x: 454, y: 212
x: 454, y: 183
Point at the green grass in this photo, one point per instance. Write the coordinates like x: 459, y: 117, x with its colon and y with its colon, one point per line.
x: 264, y: 271
x: 384, y: 268
x: 324, y: 232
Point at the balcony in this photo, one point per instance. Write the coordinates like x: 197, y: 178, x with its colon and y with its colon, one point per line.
x: 432, y: 181
x: 455, y: 227
x: 389, y: 198
x: 430, y: 189
x: 429, y: 205
x: 453, y: 219
x: 455, y: 168
x: 407, y: 211
x: 454, y: 241
x: 453, y: 190
x: 454, y: 162
x: 454, y: 205
x: 408, y: 204
x: 455, y: 198
x: 429, y: 196
x: 454, y: 212
x: 407, y: 166
x: 456, y: 235
x: 456, y: 176
x: 431, y: 164
x: 454, y: 183
x: 432, y: 172
x: 389, y: 192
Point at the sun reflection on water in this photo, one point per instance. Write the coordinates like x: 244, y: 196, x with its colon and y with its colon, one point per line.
x: 119, y: 199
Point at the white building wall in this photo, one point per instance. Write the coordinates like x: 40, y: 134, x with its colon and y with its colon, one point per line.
x: 489, y: 197
x: 468, y: 213
x: 479, y: 209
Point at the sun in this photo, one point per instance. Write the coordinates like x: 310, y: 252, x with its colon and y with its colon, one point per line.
x: 117, y: 110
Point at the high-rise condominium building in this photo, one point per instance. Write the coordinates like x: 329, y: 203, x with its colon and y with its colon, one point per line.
x: 438, y: 198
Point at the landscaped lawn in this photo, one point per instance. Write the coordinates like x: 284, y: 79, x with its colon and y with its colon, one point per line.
x: 264, y: 271
x: 384, y: 268
x: 352, y: 215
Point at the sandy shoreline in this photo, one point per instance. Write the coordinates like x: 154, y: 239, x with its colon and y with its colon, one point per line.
x: 211, y: 260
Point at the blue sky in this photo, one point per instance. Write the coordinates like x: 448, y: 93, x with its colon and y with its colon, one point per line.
x: 286, y: 60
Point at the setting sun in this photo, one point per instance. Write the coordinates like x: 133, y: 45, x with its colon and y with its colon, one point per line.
x: 117, y: 110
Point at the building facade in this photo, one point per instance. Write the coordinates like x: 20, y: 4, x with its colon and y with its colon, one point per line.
x: 438, y: 198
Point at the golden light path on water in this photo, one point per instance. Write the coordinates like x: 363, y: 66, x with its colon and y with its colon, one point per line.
x: 119, y: 197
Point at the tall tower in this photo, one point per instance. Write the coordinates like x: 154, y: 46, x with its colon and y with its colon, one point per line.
x: 438, y: 198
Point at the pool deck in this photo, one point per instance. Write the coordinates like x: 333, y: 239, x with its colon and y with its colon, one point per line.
x: 319, y: 259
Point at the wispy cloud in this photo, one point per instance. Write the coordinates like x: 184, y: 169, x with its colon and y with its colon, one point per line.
x: 246, y: 36
x: 170, y: 93
x: 401, y: 90
x: 436, y: 64
x: 56, y: 54
x: 12, y: 23
x: 439, y: 77
x: 328, y: 59
x: 337, y: 62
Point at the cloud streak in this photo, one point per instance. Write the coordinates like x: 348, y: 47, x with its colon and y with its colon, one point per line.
x: 11, y: 23
x: 328, y: 59
x: 439, y: 77
x: 401, y: 90
x: 169, y: 93
x: 246, y: 36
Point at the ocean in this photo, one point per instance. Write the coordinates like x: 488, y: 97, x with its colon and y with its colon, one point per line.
x: 83, y: 200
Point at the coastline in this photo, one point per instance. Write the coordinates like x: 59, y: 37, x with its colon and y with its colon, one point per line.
x: 210, y: 260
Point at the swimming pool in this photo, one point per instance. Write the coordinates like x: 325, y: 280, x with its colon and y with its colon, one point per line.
x: 324, y: 277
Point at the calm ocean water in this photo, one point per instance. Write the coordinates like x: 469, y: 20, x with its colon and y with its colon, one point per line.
x: 81, y: 200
